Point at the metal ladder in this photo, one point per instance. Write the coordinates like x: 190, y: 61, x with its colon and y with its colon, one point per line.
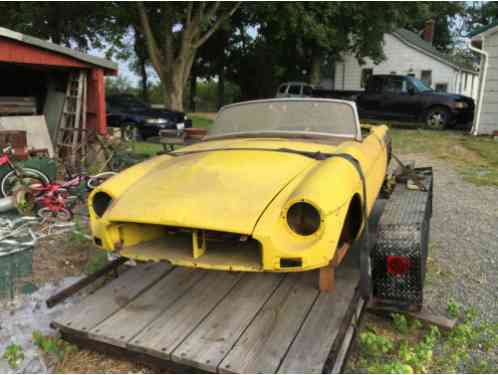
x: 71, y: 136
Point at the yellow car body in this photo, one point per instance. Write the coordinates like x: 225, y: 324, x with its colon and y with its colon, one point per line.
x: 224, y: 203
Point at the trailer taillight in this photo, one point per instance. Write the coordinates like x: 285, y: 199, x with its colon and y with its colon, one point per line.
x: 397, y: 265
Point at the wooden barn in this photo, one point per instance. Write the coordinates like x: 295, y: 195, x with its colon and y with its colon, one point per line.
x: 63, y: 87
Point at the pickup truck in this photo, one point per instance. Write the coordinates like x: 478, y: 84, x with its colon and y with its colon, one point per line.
x: 406, y: 98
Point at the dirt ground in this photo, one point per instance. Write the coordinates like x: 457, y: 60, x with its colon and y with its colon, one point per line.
x: 58, y: 257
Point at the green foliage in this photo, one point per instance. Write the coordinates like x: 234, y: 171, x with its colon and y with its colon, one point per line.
x: 200, y: 121
x: 96, y: 262
x: 52, y: 345
x: 375, y: 345
x: 420, y: 349
x: 119, y: 85
x: 67, y: 23
x: 453, y: 309
x: 14, y: 355
x: 400, y: 322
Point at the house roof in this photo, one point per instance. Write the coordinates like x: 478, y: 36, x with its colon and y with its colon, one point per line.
x: 40, y: 43
x: 414, y: 40
x: 488, y: 29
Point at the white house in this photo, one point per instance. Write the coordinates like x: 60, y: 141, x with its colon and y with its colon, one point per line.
x: 408, y: 53
x: 485, y: 42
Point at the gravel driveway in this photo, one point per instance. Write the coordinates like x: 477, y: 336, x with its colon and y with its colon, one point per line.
x: 463, y: 255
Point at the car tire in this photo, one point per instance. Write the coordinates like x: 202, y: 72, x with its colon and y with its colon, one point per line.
x: 437, y: 118
x: 130, y: 133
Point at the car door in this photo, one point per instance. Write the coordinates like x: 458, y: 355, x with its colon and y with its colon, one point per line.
x: 400, y: 99
x: 369, y: 103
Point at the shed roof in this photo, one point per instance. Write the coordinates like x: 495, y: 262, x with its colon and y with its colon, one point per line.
x: 40, y: 43
x: 414, y: 40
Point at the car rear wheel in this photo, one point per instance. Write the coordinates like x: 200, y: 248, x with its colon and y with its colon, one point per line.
x: 130, y: 133
x: 437, y: 118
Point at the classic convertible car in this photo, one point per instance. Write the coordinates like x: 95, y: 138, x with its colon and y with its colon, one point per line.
x: 276, y: 185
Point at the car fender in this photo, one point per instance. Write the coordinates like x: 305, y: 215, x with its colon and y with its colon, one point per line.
x: 329, y: 187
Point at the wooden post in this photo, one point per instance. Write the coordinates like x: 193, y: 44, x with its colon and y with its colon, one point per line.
x: 326, y: 277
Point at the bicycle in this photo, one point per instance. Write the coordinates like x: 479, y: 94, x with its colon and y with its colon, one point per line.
x: 18, y: 176
x: 55, y: 201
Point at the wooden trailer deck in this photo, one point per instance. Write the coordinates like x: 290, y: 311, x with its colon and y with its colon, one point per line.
x: 222, y: 321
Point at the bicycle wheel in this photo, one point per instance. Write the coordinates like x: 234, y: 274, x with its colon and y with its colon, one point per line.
x: 98, y: 179
x: 27, y: 176
x: 62, y: 215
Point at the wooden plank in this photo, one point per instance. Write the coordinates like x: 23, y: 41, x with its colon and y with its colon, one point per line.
x: 265, y: 342
x: 163, y: 335
x: 126, y: 323
x: 110, y: 298
x: 424, y: 315
x: 348, y: 337
x: 310, y: 349
x: 206, y: 347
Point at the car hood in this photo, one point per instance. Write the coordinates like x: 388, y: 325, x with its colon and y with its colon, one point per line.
x: 223, y: 190
x: 156, y: 113
x: 456, y: 97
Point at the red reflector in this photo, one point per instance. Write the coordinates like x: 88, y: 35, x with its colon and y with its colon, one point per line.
x: 397, y: 265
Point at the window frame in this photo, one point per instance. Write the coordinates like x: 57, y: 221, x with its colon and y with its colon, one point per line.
x: 429, y: 82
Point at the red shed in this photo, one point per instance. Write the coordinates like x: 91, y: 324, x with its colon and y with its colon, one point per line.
x: 42, y: 71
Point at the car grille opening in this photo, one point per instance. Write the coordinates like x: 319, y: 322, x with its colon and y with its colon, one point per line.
x: 220, y: 250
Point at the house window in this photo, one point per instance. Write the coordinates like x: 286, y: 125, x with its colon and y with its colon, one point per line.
x: 365, y: 76
x: 465, y: 84
x: 441, y: 87
x: 426, y: 77
x: 393, y: 72
x: 411, y: 75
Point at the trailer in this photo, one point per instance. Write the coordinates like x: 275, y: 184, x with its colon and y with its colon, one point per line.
x: 191, y: 320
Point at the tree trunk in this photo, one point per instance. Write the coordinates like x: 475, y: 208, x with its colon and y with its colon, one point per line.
x: 316, y: 63
x: 221, y: 87
x: 144, y: 81
x: 173, y: 95
x: 193, y: 90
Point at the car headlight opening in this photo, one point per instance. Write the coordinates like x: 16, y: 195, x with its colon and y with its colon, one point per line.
x: 461, y: 105
x: 303, y: 218
x: 101, y: 202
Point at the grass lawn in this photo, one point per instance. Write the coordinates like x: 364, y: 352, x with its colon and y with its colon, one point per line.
x: 476, y: 158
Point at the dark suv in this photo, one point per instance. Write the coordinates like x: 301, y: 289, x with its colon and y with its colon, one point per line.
x: 138, y: 120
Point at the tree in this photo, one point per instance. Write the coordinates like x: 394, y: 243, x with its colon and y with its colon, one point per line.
x: 479, y: 14
x: 295, y: 39
x: 446, y: 16
x: 84, y: 24
x: 173, y: 33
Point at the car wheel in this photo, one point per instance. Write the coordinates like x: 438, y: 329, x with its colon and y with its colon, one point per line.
x: 437, y: 118
x: 130, y: 133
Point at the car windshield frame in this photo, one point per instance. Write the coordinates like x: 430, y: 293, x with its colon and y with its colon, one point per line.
x: 355, y: 134
x: 419, y: 85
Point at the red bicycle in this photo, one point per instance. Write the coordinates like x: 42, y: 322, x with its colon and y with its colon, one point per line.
x: 18, y: 176
x: 55, y: 201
